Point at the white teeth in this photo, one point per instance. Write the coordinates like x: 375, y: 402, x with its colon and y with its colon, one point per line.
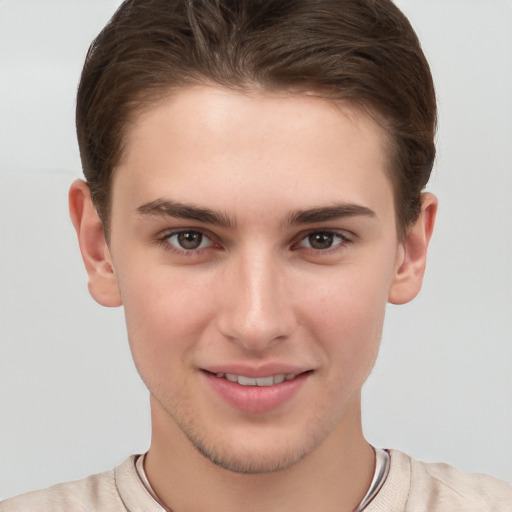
x: 259, y: 381
x: 265, y: 381
x: 247, y: 381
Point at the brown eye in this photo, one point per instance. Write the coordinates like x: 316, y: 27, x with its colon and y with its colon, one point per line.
x: 322, y: 240
x: 188, y: 240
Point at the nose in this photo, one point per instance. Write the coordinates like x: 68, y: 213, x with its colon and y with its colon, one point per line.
x: 256, y: 310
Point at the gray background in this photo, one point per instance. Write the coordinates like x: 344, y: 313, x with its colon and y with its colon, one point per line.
x: 71, y: 402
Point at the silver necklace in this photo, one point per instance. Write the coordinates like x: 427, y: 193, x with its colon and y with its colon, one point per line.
x: 382, y: 464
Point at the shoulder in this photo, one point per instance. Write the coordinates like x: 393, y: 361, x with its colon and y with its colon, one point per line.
x: 441, y: 487
x: 96, y: 492
x: 475, y: 491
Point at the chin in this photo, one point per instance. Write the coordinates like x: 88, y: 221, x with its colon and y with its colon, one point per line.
x: 257, y: 452
x: 249, y: 460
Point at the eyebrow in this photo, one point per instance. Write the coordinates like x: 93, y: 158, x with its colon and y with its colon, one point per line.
x: 327, y: 213
x: 167, y: 208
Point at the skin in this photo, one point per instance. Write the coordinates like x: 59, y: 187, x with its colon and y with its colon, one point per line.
x: 273, y: 281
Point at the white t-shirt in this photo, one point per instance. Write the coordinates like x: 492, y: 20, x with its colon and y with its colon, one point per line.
x: 411, y: 486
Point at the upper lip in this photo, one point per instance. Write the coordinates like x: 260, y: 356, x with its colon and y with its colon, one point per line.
x: 253, y: 371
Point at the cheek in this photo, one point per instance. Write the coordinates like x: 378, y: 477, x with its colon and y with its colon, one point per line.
x: 347, y: 315
x: 351, y: 320
x: 165, y: 314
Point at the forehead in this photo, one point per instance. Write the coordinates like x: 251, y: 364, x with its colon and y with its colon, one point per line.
x: 210, y: 143
x: 210, y: 111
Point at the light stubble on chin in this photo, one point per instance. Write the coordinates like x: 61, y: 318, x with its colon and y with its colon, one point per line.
x: 243, y: 461
x: 248, y: 465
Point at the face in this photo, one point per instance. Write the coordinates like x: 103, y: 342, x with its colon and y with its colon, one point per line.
x: 253, y: 242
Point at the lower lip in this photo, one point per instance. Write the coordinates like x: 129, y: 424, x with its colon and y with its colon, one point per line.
x: 255, y: 399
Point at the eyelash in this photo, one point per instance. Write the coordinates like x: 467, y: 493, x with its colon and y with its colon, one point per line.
x: 344, y: 240
x: 164, y: 240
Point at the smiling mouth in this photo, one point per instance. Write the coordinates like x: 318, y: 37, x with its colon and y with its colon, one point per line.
x: 258, y: 381
x: 258, y: 393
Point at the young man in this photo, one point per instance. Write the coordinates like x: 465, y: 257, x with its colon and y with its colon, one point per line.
x: 253, y: 197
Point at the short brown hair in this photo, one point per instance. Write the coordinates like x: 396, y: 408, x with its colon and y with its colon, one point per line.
x: 364, y: 51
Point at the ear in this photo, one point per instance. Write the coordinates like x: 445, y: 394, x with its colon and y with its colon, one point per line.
x: 93, y: 246
x: 408, y: 276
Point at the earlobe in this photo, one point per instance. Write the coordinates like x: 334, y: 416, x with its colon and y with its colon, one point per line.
x: 93, y: 246
x: 410, y: 270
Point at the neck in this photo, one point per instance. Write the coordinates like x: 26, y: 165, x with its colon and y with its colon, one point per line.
x: 332, y: 477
